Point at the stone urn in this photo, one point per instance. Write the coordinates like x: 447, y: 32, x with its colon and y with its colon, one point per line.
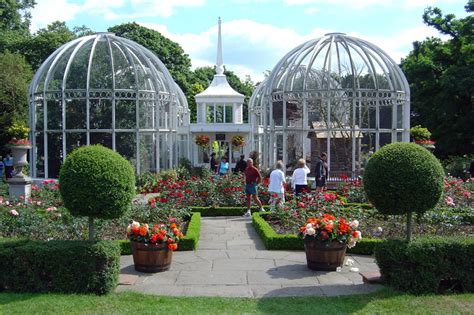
x: 19, y: 184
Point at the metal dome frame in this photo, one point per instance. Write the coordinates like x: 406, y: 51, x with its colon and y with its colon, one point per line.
x: 110, y: 90
x: 334, y: 71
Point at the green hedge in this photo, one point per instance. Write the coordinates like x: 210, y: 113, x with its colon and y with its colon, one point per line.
x: 224, y: 211
x: 188, y: 242
x: 428, y: 264
x: 273, y: 240
x: 238, y: 211
x: 59, y: 266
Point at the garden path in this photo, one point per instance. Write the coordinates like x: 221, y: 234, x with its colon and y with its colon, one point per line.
x: 232, y: 261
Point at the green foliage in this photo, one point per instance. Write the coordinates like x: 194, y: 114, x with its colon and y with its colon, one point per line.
x: 97, y: 182
x: 427, y: 265
x: 59, y: 266
x: 441, y: 76
x: 402, y: 178
x: 45, y: 42
x: 458, y: 166
x: 14, y: 78
x: 420, y: 133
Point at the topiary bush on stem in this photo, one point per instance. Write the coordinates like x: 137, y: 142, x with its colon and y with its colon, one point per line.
x: 402, y: 178
x: 98, y: 183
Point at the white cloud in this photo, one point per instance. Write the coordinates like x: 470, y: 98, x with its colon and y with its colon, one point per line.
x: 249, y: 47
x: 43, y: 14
x: 47, y: 11
x: 362, y: 4
x: 311, y: 10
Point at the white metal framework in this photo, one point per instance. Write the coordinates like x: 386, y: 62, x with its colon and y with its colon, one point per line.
x: 336, y: 94
x: 104, y: 89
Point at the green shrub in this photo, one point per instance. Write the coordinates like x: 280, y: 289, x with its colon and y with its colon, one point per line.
x: 458, y: 166
x: 59, y: 266
x: 427, y: 265
x: 97, y: 182
x: 403, y: 178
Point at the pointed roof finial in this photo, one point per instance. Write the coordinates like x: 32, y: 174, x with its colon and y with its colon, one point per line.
x: 219, y: 63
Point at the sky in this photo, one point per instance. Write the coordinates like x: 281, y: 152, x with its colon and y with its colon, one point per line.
x: 256, y: 34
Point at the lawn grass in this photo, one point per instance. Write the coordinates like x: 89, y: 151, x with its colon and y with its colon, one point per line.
x: 383, y: 301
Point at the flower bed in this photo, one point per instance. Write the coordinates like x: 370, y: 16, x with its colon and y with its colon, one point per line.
x: 43, y: 217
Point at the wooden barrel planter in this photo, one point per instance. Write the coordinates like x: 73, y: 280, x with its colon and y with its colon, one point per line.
x: 151, y: 257
x: 323, y: 255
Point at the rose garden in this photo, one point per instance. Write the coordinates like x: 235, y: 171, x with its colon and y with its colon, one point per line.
x: 110, y: 203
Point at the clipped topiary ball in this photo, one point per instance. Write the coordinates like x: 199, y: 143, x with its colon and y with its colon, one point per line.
x: 403, y: 177
x: 97, y: 182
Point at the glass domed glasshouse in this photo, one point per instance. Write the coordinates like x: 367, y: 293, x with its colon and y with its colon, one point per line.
x: 336, y: 94
x: 104, y: 89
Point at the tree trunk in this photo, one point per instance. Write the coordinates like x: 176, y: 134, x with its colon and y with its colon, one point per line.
x: 91, y: 229
x: 409, y: 225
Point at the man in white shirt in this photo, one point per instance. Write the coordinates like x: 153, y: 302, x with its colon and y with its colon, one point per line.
x: 299, y: 181
x: 276, y: 187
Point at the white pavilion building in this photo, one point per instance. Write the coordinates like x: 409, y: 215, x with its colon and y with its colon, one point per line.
x: 219, y: 117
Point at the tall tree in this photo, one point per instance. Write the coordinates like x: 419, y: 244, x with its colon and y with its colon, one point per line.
x: 441, y: 76
x: 169, y: 52
x: 45, y: 42
x: 14, y: 22
x: 14, y: 79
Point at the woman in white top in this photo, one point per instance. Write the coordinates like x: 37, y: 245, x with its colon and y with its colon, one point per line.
x: 299, y: 181
x: 276, y: 188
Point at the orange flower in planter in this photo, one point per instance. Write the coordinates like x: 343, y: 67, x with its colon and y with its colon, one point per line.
x: 158, y: 234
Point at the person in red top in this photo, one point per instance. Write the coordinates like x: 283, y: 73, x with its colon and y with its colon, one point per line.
x: 252, y: 178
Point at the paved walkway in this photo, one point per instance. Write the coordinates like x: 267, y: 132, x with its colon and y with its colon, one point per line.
x: 232, y: 261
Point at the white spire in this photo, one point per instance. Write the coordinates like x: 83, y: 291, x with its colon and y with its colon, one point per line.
x: 219, y: 63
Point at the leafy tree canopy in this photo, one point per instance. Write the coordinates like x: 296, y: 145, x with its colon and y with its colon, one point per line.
x: 441, y: 76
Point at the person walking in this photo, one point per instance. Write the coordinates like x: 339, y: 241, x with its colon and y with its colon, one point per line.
x: 223, y: 166
x: 276, y: 186
x: 252, y: 179
x: 2, y: 168
x: 241, y: 165
x: 321, y: 172
x: 8, y: 162
x: 299, y: 180
x: 213, y: 163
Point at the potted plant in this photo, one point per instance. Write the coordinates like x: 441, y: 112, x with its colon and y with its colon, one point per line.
x: 326, y: 239
x: 422, y: 137
x: 19, y: 146
x: 152, y: 247
x: 238, y: 141
x: 202, y: 141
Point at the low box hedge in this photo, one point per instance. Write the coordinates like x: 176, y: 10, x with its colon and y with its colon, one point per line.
x: 273, y: 240
x: 428, y: 264
x: 224, y: 210
x: 218, y: 211
x: 188, y: 242
x: 59, y: 266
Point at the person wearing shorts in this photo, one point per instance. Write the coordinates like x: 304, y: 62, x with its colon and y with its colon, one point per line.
x: 252, y: 178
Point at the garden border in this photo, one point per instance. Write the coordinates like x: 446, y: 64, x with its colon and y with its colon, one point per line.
x: 188, y: 242
x: 274, y: 241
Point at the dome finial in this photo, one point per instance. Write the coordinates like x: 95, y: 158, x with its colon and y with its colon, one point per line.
x: 219, y: 63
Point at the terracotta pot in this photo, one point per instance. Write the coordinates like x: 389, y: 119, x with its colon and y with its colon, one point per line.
x: 324, y: 255
x: 151, y: 257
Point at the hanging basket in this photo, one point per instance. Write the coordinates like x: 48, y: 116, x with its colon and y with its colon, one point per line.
x: 202, y: 141
x: 238, y: 141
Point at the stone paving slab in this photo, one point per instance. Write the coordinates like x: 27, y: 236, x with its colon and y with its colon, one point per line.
x: 231, y: 261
